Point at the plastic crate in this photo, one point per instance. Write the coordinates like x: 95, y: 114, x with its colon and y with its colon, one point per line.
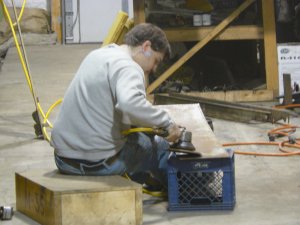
x: 201, y: 184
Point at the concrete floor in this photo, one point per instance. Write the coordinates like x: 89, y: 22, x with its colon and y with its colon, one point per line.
x: 267, y: 188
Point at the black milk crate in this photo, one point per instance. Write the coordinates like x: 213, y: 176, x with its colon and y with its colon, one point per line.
x: 201, y: 183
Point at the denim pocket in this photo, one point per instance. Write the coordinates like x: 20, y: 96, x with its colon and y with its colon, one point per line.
x: 103, y: 169
x: 93, y: 169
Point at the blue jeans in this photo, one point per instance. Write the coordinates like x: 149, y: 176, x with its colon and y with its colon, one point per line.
x: 141, y: 156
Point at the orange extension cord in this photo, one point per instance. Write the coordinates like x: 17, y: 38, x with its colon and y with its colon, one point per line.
x: 284, y: 130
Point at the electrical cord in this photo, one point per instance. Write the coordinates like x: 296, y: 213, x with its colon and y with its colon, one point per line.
x: 21, y: 12
x: 27, y: 75
x: 138, y: 129
x: 46, y: 122
x: 284, y: 130
x: 23, y: 58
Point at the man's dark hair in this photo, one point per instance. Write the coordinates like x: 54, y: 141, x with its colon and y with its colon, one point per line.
x: 146, y: 31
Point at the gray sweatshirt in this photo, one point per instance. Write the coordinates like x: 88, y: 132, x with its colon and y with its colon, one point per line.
x: 106, y: 96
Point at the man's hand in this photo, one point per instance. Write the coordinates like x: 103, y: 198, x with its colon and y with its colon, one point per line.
x: 174, y: 133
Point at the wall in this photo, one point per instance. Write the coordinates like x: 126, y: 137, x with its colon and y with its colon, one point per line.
x: 93, y: 18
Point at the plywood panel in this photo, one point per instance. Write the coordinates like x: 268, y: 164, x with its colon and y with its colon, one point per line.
x: 192, y: 118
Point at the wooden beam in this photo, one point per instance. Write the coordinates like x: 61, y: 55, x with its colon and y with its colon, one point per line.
x: 244, y: 32
x: 270, y: 46
x: 56, y: 19
x: 236, y: 96
x: 139, y: 11
x: 210, y: 36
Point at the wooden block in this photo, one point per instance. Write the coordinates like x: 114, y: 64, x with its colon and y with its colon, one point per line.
x: 51, y: 198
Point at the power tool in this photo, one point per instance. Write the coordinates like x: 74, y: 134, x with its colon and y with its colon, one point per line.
x: 184, y: 143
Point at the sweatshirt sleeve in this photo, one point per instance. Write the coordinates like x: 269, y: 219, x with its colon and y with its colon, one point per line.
x: 132, y: 103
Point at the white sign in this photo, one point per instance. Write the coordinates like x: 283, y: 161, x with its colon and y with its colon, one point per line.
x: 289, y: 63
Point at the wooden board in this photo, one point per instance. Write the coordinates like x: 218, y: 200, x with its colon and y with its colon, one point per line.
x: 236, y: 96
x: 56, y: 19
x: 54, y: 199
x: 139, y: 8
x: 192, y: 118
x: 238, y: 32
x: 270, y: 44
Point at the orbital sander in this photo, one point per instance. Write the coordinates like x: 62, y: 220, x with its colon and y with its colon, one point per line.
x: 184, y: 144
